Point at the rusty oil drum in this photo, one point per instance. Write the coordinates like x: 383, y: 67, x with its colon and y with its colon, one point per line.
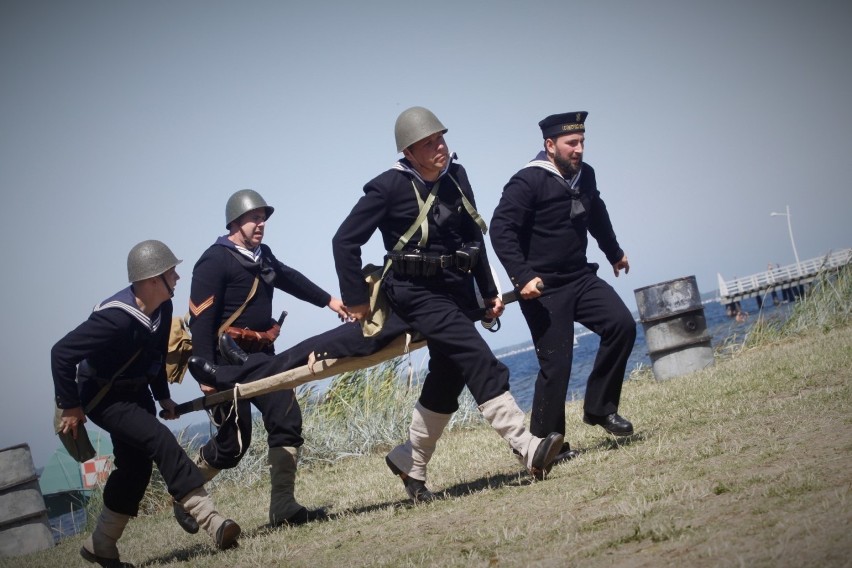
x: 675, y: 328
x: 24, y: 526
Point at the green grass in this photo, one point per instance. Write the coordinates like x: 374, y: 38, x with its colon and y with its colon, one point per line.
x: 746, y: 463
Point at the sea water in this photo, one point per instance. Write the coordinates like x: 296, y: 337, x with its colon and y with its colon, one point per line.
x: 523, y: 364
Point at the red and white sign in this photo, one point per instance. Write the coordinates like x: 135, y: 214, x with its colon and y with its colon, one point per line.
x: 95, y: 471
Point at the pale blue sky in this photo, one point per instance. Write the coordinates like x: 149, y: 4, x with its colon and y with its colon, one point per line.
x: 126, y: 121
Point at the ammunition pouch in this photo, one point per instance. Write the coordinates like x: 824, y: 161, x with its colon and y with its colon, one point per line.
x: 419, y: 264
x: 467, y: 257
x: 425, y: 264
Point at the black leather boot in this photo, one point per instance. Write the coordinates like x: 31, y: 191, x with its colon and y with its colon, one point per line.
x: 416, y: 489
x: 184, y: 519
x: 302, y: 516
x: 203, y: 370
x: 227, y: 535
x: 232, y: 352
x: 612, y: 423
x: 565, y: 454
x: 545, y: 455
x: 101, y: 561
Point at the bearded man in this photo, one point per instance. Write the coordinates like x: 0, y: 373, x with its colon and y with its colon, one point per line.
x: 540, y: 233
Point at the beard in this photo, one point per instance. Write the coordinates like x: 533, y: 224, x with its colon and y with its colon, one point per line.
x: 566, y: 167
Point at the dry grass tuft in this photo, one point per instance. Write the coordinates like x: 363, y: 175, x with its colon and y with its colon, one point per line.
x: 743, y: 464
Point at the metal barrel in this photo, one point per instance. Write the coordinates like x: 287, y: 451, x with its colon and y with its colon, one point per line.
x: 675, y: 328
x: 24, y: 525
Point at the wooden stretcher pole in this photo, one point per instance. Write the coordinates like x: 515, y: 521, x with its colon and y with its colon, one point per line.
x: 300, y: 375
x: 309, y: 373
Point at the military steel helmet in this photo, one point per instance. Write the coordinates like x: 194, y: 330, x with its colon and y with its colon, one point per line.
x: 415, y: 124
x: 243, y: 201
x: 148, y: 259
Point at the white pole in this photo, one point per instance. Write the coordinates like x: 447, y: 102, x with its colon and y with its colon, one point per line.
x: 792, y: 241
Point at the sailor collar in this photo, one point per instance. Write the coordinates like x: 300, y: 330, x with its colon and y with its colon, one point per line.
x: 126, y: 301
x: 253, y: 255
x: 541, y: 161
x: 404, y: 165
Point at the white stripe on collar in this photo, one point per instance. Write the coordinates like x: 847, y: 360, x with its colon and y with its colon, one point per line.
x: 133, y: 311
x: 399, y: 165
x: 548, y: 165
x: 253, y: 255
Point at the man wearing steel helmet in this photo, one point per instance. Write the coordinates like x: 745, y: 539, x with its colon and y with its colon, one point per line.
x: 107, y: 369
x: 237, y: 276
x: 430, y: 286
x: 540, y: 233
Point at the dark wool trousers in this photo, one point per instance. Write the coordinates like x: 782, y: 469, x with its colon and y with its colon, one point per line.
x: 140, y: 440
x: 282, y: 415
x: 593, y: 303
x: 458, y: 355
x: 282, y: 418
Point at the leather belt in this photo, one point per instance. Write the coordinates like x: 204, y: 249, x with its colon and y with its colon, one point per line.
x: 420, y: 263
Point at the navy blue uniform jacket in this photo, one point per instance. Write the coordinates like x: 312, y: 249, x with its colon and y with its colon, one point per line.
x: 221, y: 282
x: 390, y: 205
x: 102, y: 344
x: 533, y: 234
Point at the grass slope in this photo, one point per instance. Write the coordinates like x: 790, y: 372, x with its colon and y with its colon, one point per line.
x: 744, y: 464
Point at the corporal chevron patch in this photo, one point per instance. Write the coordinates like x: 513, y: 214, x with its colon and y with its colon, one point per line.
x: 198, y: 309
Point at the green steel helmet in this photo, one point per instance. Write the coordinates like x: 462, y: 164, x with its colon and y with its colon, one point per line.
x: 414, y: 124
x: 148, y: 259
x: 243, y: 201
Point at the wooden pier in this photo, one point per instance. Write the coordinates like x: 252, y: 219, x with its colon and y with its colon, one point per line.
x: 790, y: 277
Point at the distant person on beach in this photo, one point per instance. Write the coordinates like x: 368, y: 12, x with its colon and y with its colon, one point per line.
x: 231, y: 302
x: 540, y: 233
x: 770, y: 278
x: 424, y: 208
x: 732, y: 309
x: 107, y: 369
x: 786, y: 292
